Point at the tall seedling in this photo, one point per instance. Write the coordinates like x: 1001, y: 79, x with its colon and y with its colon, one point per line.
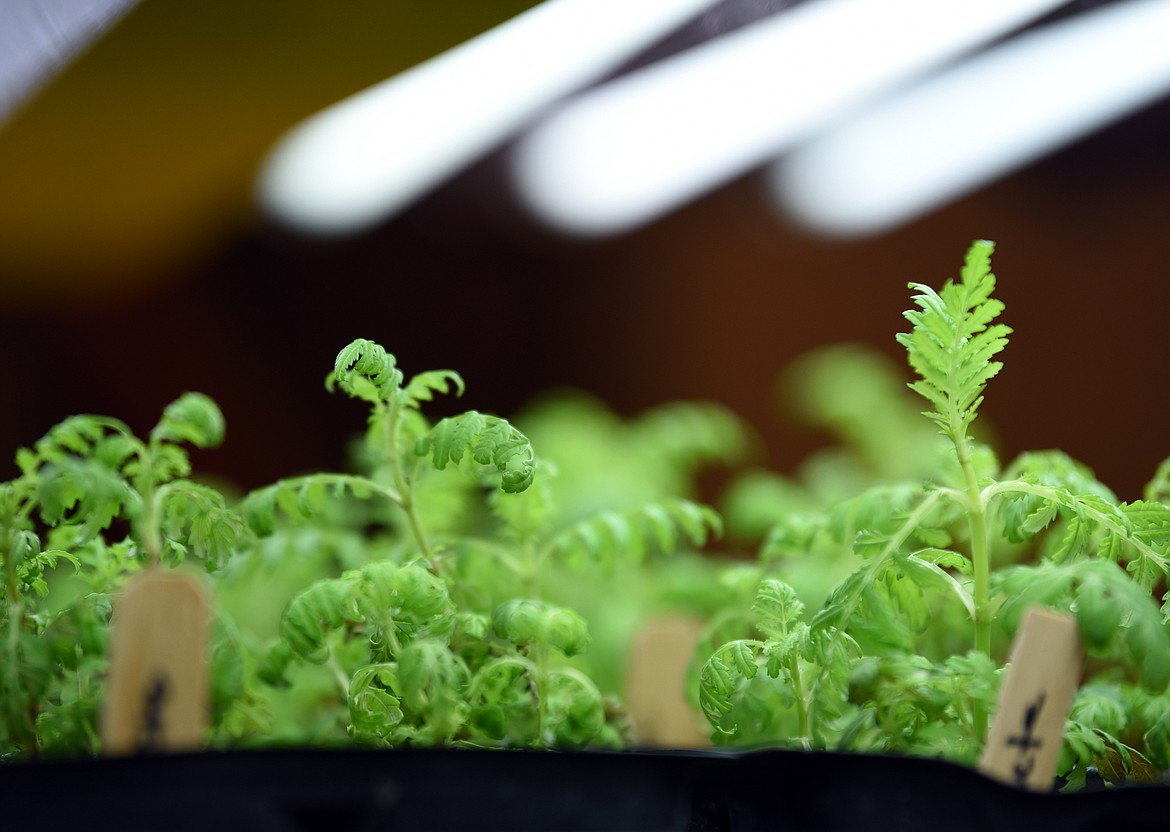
x: 882, y: 665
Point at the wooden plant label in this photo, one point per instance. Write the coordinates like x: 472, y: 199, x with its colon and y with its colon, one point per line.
x: 1043, y: 674
x: 655, y: 684
x: 157, y: 692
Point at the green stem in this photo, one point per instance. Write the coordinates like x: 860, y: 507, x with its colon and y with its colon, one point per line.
x: 403, y: 486
x: 981, y: 560
x: 803, y: 706
x: 22, y: 724
x: 540, y: 681
x: 339, y: 675
x: 531, y: 569
x: 149, y: 531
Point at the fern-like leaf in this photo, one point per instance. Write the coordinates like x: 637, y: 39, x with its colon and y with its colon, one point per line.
x: 400, y: 603
x: 953, y: 342
x: 301, y: 498
x: 433, y: 682
x: 613, y: 537
x: 83, y: 495
x: 777, y: 608
x: 193, y: 418
x: 1134, y: 534
x: 76, y: 436
x: 196, y: 521
x: 732, y: 666
x: 489, y: 440
x: 1116, y: 615
x: 422, y: 387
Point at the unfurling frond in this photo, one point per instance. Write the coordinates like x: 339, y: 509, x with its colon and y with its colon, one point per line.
x: 489, y: 440
x: 374, y: 710
x: 364, y: 370
x: 309, y: 617
x: 732, y: 666
x: 525, y: 622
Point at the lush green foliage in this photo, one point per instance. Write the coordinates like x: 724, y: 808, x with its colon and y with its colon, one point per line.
x: 903, y: 652
x: 455, y: 588
x: 425, y: 599
x: 96, y: 499
x: 447, y: 630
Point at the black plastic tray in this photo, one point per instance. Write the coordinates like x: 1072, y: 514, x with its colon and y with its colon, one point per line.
x: 520, y: 790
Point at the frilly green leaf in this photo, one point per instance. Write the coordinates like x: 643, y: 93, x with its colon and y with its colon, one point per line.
x: 777, y: 608
x: 612, y: 537
x: 489, y: 440
x: 433, y: 682
x: 364, y: 370
x: 422, y: 387
x: 374, y: 710
x: 198, y: 519
x: 326, y: 605
x: 193, y: 418
x: 525, y: 622
x: 301, y: 498
x: 953, y: 341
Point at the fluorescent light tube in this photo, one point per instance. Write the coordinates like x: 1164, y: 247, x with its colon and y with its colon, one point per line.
x: 358, y: 162
x: 980, y: 120
x: 646, y: 143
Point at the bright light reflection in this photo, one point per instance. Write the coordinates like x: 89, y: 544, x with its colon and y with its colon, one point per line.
x: 359, y: 161
x: 980, y: 120
x: 645, y: 144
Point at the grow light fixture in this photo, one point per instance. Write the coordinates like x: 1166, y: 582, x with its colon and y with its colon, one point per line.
x: 40, y: 37
x: 648, y: 142
x: 836, y: 90
x: 979, y: 120
x: 358, y: 162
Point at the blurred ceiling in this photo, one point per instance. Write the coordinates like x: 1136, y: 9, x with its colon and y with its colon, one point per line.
x: 138, y: 159
x: 133, y: 264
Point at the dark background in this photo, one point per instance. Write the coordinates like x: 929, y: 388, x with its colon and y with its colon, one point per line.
x: 134, y: 266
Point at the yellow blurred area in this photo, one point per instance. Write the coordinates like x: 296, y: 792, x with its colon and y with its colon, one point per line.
x: 138, y: 160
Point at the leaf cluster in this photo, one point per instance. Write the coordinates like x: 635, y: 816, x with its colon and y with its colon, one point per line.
x: 903, y: 653
x: 93, y: 496
x: 445, y: 634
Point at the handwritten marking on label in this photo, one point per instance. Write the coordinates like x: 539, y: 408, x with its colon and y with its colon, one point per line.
x: 1043, y: 673
x: 152, y: 718
x: 1027, y: 743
